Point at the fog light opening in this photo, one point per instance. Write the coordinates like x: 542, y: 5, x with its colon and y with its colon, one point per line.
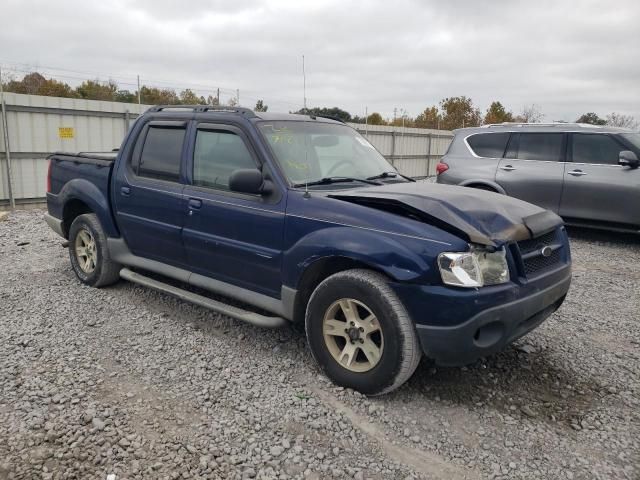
x: 489, y: 334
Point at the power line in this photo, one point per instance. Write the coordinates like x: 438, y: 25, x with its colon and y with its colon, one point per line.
x: 132, y: 82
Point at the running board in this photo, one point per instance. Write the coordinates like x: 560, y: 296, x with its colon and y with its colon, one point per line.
x: 216, y: 306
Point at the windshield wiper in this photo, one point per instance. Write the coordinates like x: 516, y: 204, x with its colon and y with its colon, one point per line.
x: 330, y: 180
x: 390, y: 175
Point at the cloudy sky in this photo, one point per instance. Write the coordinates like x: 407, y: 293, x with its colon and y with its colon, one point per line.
x: 567, y: 57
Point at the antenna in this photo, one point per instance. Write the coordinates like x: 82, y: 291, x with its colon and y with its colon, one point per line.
x: 304, y: 86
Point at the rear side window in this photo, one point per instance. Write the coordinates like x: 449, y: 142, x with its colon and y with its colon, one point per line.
x: 161, y: 153
x: 540, y: 146
x: 489, y: 145
x: 217, y: 154
x: 595, y: 148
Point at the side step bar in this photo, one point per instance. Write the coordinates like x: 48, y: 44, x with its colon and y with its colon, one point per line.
x: 187, y: 296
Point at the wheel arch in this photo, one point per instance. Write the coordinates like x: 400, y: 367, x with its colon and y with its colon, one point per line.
x: 80, y: 196
x: 483, y: 184
x: 320, y: 270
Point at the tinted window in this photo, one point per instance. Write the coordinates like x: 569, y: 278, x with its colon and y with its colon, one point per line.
x: 489, y: 145
x: 595, y: 148
x: 161, y: 153
x: 217, y: 155
x: 540, y: 146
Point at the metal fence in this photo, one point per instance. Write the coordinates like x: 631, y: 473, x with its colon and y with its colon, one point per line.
x: 35, y: 126
x: 413, y: 151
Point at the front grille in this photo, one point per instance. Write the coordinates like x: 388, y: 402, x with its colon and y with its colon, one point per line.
x: 531, y: 253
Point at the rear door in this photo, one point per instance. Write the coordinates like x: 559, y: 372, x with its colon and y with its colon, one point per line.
x: 232, y: 237
x: 596, y: 188
x: 533, y: 168
x: 148, y: 193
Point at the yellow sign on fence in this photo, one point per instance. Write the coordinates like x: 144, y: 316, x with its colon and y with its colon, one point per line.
x: 66, y: 132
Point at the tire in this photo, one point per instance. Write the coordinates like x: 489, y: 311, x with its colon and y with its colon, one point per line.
x: 87, y: 236
x: 388, y: 327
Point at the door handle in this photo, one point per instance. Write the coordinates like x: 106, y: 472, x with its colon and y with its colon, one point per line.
x: 576, y: 173
x: 126, y: 191
x: 195, y: 204
x: 508, y: 168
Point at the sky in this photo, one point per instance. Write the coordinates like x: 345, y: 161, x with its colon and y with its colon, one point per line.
x: 566, y: 57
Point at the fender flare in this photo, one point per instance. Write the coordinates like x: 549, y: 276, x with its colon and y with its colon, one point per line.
x: 86, y: 192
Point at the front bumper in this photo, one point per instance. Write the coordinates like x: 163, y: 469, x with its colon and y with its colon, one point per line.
x: 512, y: 313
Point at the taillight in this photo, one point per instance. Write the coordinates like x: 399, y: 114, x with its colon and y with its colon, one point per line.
x: 441, y: 167
x: 49, y: 177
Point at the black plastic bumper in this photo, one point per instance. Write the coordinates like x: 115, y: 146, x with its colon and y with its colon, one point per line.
x: 491, y: 330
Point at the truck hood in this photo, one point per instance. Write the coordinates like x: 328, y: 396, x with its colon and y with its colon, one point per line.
x: 478, y: 216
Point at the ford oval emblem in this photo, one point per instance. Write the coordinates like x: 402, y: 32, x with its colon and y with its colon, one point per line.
x: 546, y: 251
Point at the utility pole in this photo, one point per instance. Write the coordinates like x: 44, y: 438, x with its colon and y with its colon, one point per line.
x: 139, y: 97
x: 304, y: 86
x: 238, y: 96
x: 395, y: 111
x: 366, y: 121
x: 218, y: 96
x: 7, y: 150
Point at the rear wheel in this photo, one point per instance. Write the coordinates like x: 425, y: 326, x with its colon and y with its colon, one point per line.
x: 360, y: 333
x: 89, y: 254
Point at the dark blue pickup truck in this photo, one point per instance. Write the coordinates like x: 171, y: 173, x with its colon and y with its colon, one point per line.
x: 299, y: 219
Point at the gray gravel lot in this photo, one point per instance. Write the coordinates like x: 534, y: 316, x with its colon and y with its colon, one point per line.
x: 128, y: 382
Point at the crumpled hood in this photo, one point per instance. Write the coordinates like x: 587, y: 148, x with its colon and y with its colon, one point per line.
x: 479, y: 216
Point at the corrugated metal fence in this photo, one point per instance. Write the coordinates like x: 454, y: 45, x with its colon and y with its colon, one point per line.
x: 36, y: 126
x: 413, y: 151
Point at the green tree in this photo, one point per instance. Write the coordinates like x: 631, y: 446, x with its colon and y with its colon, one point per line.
x: 189, y: 97
x: 591, y: 118
x: 125, y: 96
x: 96, y: 90
x: 429, y: 118
x: 261, y: 107
x: 156, y: 96
x: 496, y: 113
x: 459, y: 112
x: 36, y: 84
x: 375, y: 119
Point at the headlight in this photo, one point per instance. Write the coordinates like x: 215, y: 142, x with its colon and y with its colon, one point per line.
x: 474, y: 269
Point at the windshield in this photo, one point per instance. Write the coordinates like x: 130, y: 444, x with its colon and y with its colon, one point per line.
x: 633, y: 138
x: 310, y: 151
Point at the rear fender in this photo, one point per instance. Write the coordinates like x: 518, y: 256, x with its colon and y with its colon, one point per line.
x: 87, y: 192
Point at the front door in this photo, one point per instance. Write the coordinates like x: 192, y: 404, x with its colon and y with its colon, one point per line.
x: 596, y: 188
x: 232, y: 237
x: 148, y: 194
x: 533, y: 168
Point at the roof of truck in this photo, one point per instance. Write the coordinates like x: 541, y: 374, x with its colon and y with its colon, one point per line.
x: 246, y: 112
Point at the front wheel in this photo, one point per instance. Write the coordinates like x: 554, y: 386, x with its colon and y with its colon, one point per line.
x: 360, y: 333
x: 88, y: 252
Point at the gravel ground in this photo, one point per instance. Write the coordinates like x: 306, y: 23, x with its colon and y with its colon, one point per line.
x: 124, y: 382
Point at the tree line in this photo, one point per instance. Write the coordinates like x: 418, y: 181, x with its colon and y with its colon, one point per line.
x: 460, y: 112
x: 449, y: 114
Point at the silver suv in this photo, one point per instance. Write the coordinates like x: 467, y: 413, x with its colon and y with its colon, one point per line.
x: 587, y: 174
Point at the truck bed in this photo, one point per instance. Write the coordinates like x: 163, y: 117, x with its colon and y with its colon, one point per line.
x: 72, y: 173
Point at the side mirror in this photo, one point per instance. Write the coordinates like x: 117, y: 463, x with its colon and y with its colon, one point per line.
x: 629, y: 159
x: 248, y: 180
